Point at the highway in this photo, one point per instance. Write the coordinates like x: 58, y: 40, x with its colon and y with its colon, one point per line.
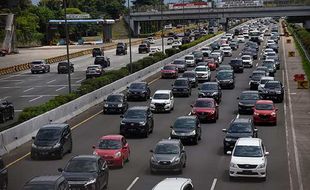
x: 206, y: 164
x: 25, y: 89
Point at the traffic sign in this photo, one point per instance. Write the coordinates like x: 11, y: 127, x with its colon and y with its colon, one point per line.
x: 303, y: 84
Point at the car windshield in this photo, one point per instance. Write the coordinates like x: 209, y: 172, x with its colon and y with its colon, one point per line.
x: 115, y: 98
x: 264, y: 81
x: 159, y: 96
x: 48, y: 134
x: 201, y: 69
x: 197, y: 54
x: 224, y: 75
x: 246, y: 58
x: 189, y: 75
x: 233, y: 62
x: 189, y: 58
x: 272, y: 85
x: 184, y: 123
x: 178, y: 62
x: 240, y: 128
x: 63, y: 64
x: 167, y: 149
x: 209, y: 87
x: 79, y: 165
x: 120, y: 46
x: 39, y: 187
x: 142, y: 46
x: 226, y: 49
x: 36, y: 62
x: 135, y: 114
x: 268, y: 64
x: 169, y: 68
x: 180, y: 83
x: 110, y: 144
x: 92, y: 67
x: 258, y: 74
x: 264, y: 106
x: 249, y: 96
x: 248, y: 151
x: 137, y: 86
x: 204, y: 104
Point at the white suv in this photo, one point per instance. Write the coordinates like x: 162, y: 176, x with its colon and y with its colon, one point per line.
x: 249, y: 159
x: 175, y: 184
x: 203, y: 73
x: 162, y: 101
x: 190, y: 60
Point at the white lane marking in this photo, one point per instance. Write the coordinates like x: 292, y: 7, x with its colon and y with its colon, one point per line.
x: 132, y: 183
x: 213, y: 184
x: 11, y: 80
x: 238, y: 116
x: 18, y: 110
x: 34, y: 99
x: 4, y: 98
x: 190, y: 113
x: 60, y: 88
x: 9, y: 87
x: 293, y: 93
x: 79, y: 81
x: 299, y: 179
x: 31, y: 96
x: 256, y: 64
x: 28, y: 89
x: 51, y: 81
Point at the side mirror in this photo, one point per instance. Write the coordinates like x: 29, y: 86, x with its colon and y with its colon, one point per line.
x: 224, y: 130
x: 198, y: 88
x: 266, y: 153
x: 151, y: 98
x: 60, y: 170
x: 105, y: 100
x: 33, y: 138
x: 171, y: 127
x: 127, y: 87
x: 182, y: 151
x: 121, y: 116
x: 94, y: 146
x: 192, y: 105
x: 238, y: 98
x: 277, y: 109
x: 228, y: 152
x: 151, y: 151
x: 171, y: 84
x: 250, y: 76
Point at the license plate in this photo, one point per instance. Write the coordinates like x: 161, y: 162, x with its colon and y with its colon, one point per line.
x: 247, y: 171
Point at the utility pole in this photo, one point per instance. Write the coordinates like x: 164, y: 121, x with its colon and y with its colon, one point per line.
x: 67, y: 45
x: 129, y: 37
x: 162, y: 27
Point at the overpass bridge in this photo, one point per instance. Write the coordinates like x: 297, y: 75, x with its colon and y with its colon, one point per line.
x: 217, y: 13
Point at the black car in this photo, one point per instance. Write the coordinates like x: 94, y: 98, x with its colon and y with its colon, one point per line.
x: 57, y: 182
x: 273, y: 90
x: 103, y: 61
x: 63, y: 67
x: 6, y: 111
x: 192, y: 77
x: 97, y: 52
x: 210, y: 90
x: 186, y: 40
x: 239, y: 127
x: 186, y: 128
x: 121, y: 48
x: 168, y: 155
x: 255, y: 78
x: 250, y: 51
x: 138, y: 90
x: 226, y: 79
x: 3, y: 176
x: 237, y: 65
x: 234, y: 45
x: 52, y: 140
x: 247, y: 100
x: 198, y: 55
x: 275, y: 47
x: 215, y: 46
x: 86, y: 172
x: 144, y: 48
x: 137, y: 120
x: 271, y: 65
x: 115, y: 103
x: 182, y: 87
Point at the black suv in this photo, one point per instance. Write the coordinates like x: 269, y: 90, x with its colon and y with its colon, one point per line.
x: 247, y: 100
x: 182, y: 86
x: 186, y: 40
x: 52, y: 140
x: 226, y: 79
x: 103, y: 61
x: 6, y: 111
x: 63, y: 67
x: 115, y: 103
x: 255, y: 78
x: 168, y: 155
x: 144, y: 48
x: 237, y: 65
x: 138, y: 90
x: 186, y: 128
x: 3, y: 176
x: 86, y: 172
x: 210, y: 90
x: 137, y: 120
x: 239, y: 127
x: 47, y: 182
x: 215, y: 46
x: 97, y: 52
x: 273, y: 90
x: 121, y: 48
x: 192, y: 77
x: 250, y: 51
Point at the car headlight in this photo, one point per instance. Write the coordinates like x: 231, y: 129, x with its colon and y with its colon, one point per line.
x: 57, y: 145
x: 228, y: 139
x: 261, y: 165
x: 153, y: 159
x: 278, y: 92
x: 90, y: 182
x: 273, y: 114
x: 33, y: 145
x: 233, y: 165
x: 117, y: 155
x: 122, y: 123
x: 142, y: 123
x: 231, y: 81
x: 95, y: 153
x: 255, y: 113
x: 174, y: 89
x: 240, y: 104
x: 176, y: 159
x: 173, y: 132
x: 152, y: 105
x: 192, y: 133
x: 119, y: 105
x: 214, y: 93
x: 106, y: 105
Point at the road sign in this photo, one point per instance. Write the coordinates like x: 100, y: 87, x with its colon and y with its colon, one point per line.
x: 303, y: 84
x: 78, y: 16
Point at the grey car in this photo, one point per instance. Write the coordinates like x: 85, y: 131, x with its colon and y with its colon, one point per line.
x: 40, y: 66
x: 168, y: 155
x: 47, y: 182
x: 181, y: 65
x: 192, y: 77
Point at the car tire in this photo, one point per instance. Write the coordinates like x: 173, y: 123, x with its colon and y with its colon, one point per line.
x: 33, y: 156
x: 12, y: 116
x: 3, y: 118
x: 146, y: 134
x: 5, y: 185
x: 122, y: 163
x: 61, y: 154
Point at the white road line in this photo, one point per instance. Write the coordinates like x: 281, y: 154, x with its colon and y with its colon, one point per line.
x: 299, y: 179
x: 28, y: 89
x: 18, y: 110
x: 11, y: 80
x: 238, y: 116
x: 213, y: 184
x: 79, y: 81
x: 256, y: 64
x: 4, y: 98
x: 132, y: 183
x: 51, y: 81
x: 190, y: 113
x: 9, y: 87
x: 34, y: 99
x: 60, y: 88
x: 31, y: 96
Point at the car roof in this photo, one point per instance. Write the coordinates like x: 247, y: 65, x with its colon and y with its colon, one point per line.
x: 138, y: 108
x: 187, y: 117
x: 242, y: 120
x: 267, y: 78
x: 274, y: 81
x: 116, y: 94
x: 169, y: 141
x: 86, y: 157
x: 205, y: 99
x: 248, y: 142
x: 182, y: 78
x: 264, y: 102
x: 249, y: 91
x: 45, y: 179
x: 215, y: 83
x: 162, y: 92
x: 54, y: 125
x: 114, y: 137
x: 172, y: 184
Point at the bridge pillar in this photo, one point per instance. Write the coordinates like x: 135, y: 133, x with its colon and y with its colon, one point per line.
x: 135, y: 27
x: 224, y: 23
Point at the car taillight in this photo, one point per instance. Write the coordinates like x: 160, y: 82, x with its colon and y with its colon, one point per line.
x: 273, y: 114
x: 255, y: 113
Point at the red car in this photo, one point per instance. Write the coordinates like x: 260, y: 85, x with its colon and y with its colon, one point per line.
x: 114, y: 149
x: 169, y: 71
x: 211, y: 63
x: 206, y: 109
x: 265, y: 112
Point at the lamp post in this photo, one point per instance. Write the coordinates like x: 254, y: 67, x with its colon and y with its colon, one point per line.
x: 183, y: 19
x: 162, y: 27
x: 67, y: 45
x: 129, y: 37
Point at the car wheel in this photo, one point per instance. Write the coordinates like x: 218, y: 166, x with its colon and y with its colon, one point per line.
x: 12, y: 116
x: 2, y: 118
x: 5, y: 185
x: 61, y: 154
x: 32, y: 72
x: 122, y: 163
x: 33, y: 156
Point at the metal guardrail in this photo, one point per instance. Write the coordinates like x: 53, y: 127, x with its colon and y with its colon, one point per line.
x: 302, y: 46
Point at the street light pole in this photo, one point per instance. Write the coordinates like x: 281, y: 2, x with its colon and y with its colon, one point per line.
x: 129, y: 37
x: 162, y: 27
x: 183, y: 19
x: 67, y: 45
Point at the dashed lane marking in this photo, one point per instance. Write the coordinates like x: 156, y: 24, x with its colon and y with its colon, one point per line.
x: 28, y: 89
x: 51, y: 81
x: 132, y: 183
x: 60, y: 89
x: 34, y: 99
x: 213, y: 184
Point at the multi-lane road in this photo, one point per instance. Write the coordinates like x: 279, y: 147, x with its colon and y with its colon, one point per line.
x: 207, y: 166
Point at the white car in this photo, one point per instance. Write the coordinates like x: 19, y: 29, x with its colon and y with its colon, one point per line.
x: 176, y: 44
x: 241, y: 39
x: 162, y: 101
x: 206, y: 51
x: 229, y: 36
x: 170, y: 40
x: 248, y: 159
x: 203, y: 73
x: 267, y: 51
x: 227, y: 51
x: 154, y: 50
x: 175, y: 183
x: 190, y: 60
x: 217, y: 56
x: 262, y: 82
x: 247, y: 60
x: 270, y: 42
x: 223, y: 46
x: 151, y: 40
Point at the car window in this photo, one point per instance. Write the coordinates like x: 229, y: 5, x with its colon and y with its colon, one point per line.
x: 48, y: 134
x: 272, y: 85
x: 109, y: 144
x: 248, y: 151
x: 204, y: 104
x: 189, y: 75
x: 81, y: 166
x: 169, y: 68
x: 209, y: 87
x: 159, y: 96
x: 264, y: 106
x: 137, y: 86
x: 134, y: 114
x: 167, y: 149
x: 115, y: 98
x: 180, y: 83
x: 201, y: 69
x: 185, y: 123
x: 240, y: 128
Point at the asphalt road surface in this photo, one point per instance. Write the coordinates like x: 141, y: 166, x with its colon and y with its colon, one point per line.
x: 206, y: 164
